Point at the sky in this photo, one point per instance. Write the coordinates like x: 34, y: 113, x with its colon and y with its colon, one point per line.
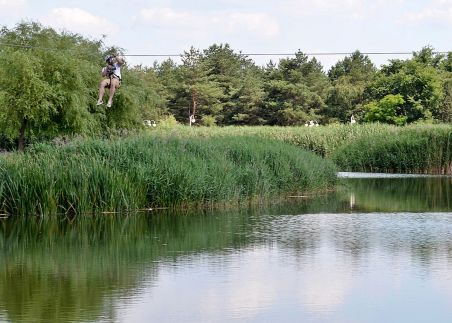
x: 248, y: 26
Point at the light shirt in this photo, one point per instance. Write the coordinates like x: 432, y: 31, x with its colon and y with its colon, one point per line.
x: 117, y: 70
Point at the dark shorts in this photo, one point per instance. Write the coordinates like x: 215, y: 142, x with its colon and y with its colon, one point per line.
x: 113, y: 77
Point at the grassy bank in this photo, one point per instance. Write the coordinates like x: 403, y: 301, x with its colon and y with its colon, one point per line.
x: 323, y: 140
x: 192, y: 166
x: 369, y: 147
x: 149, y: 171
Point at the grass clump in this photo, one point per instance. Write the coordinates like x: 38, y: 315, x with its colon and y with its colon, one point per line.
x: 143, y: 171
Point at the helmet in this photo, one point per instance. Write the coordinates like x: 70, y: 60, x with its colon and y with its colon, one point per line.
x: 109, y: 59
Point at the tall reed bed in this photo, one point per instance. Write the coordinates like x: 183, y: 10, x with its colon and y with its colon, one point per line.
x: 145, y: 171
x: 323, y: 140
x: 417, y: 149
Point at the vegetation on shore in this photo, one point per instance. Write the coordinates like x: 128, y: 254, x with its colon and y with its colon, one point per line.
x: 48, y: 89
x: 323, y: 140
x: 420, y: 148
x: 143, y: 171
x: 180, y: 166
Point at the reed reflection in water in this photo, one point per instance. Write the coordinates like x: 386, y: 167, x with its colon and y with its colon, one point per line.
x: 392, y: 193
x: 381, y: 258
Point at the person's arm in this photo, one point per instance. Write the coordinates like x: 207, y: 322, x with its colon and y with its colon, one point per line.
x: 104, y: 71
x: 119, y: 60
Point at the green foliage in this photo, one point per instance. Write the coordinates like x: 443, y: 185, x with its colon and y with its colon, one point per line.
x: 387, y: 110
x: 202, y: 92
x: 208, y: 121
x: 427, y: 57
x: 240, y: 83
x: 419, y: 83
x: 46, y: 93
x: 24, y: 95
x: 168, y: 122
x: 192, y: 91
x: 350, y: 77
x: 357, y: 67
x: 321, y: 140
x: 446, y: 63
x: 217, y: 83
x: 142, y: 92
x: 445, y: 107
x: 248, y: 104
x: 295, y: 91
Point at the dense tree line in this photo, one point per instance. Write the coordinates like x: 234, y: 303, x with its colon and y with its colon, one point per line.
x: 226, y: 88
x: 49, y: 81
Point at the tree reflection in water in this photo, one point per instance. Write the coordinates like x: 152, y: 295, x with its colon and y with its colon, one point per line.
x: 59, y: 269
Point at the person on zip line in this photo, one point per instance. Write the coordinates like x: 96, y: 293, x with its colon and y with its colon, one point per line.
x: 112, y: 74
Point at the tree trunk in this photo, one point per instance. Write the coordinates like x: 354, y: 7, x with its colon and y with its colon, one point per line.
x: 21, y: 141
x: 194, y: 103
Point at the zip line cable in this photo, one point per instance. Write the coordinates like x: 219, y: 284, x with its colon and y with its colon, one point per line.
x: 243, y: 54
x: 293, y: 54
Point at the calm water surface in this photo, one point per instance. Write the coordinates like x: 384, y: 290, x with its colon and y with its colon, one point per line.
x: 377, y: 250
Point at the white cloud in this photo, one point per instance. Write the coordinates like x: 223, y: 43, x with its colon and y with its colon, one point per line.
x: 308, y: 7
x: 9, y: 7
x: 256, y: 24
x: 355, y: 9
x: 436, y: 14
x: 8, y: 4
x: 438, y: 11
x: 80, y: 21
x: 167, y: 16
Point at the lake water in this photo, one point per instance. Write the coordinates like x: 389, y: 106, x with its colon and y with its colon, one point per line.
x: 377, y: 250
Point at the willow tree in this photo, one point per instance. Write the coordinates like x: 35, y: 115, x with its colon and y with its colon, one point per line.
x: 47, y: 81
x: 24, y: 97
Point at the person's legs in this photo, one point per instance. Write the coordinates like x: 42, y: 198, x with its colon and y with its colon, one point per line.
x: 113, y: 86
x: 105, y: 83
